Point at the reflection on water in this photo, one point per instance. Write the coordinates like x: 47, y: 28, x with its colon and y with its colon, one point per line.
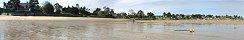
x: 2, y: 23
x: 77, y: 30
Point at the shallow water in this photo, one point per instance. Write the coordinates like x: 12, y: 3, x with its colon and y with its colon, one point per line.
x: 80, y: 30
x: 2, y: 23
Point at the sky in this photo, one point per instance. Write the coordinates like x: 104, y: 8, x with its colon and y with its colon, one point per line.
x: 214, y: 7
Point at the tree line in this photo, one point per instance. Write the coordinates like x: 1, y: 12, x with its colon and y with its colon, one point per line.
x: 107, y: 12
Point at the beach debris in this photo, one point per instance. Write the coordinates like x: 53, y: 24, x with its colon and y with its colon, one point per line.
x: 235, y: 27
x: 190, y: 30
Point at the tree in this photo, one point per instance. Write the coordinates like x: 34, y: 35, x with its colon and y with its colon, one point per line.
x: 140, y: 14
x: 168, y: 14
x: 173, y: 16
x: 67, y: 9
x: 101, y: 14
x: 13, y: 4
x: 227, y: 16
x: 57, y: 8
x: 132, y: 12
x: 112, y: 12
x: 164, y: 14
x: 68, y: 6
x: 33, y: 6
x: 84, y: 11
x: 235, y: 16
x: 239, y: 17
x: 75, y: 10
x: 96, y: 11
x: 150, y: 15
x: 197, y: 16
x: 106, y: 10
x: 124, y: 15
x: 39, y: 9
x: 182, y: 16
x: 1, y: 11
x: 209, y: 16
x: 47, y: 7
x: 106, y: 13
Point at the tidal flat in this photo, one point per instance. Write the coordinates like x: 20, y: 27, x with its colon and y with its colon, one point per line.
x: 115, y: 30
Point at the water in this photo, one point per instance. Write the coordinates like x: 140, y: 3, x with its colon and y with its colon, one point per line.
x: 2, y: 30
x: 80, y: 30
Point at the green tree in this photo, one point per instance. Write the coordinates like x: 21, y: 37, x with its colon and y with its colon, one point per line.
x: 101, y: 14
x: 47, y: 7
x: 112, y: 12
x: 96, y: 11
x: 75, y: 10
x: 217, y: 16
x: 106, y: 13
x: 106, y: 10
x: 168, y: 14
x: 39, y: 9
x: 197, y: 16
x: 33, y: 6
x: 209, y: 16
x: 57, y: 8
x: 227, y: 16
x: 67, y: 9
x: 173, y: 16
x: 235, y: 16
x: 151, y: 15
x: 182, y: 16
x: 140, y: 14
x: 239, y: 17
x: 124, y: 15
x: 164, y: 14
x: 84, y: 11
x: 1, y: 11
x: 132, y: 14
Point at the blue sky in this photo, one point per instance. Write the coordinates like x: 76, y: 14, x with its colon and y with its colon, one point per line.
x: 215, y: 7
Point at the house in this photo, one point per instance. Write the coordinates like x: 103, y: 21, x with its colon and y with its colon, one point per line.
x: 14, y: 7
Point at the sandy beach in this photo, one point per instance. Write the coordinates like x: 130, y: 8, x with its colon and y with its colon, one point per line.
x: 197, y: 21
x: 118, y: 20
x: 59, y: 18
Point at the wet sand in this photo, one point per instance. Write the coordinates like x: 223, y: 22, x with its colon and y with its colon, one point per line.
x: 76, y: 28
x: 83, y: 30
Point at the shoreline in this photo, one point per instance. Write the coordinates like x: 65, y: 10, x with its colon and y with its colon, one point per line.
x: 117, y: 20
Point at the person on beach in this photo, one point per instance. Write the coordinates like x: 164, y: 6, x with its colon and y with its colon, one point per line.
x: 133, y: 20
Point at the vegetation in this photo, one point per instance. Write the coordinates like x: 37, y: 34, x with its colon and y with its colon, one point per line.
x: 107, y: 12
x: 1, y: 11
x: 47, y: 7
x: 57, y: 8
x: 95, y: 12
